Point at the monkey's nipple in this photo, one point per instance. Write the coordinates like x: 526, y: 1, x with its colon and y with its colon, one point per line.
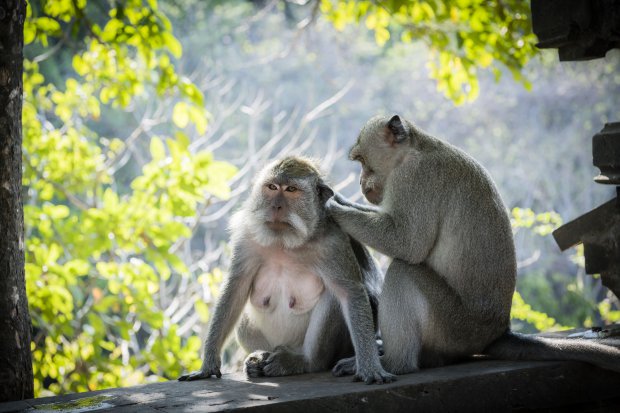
x: 291, y: 302
x: 266, y: 301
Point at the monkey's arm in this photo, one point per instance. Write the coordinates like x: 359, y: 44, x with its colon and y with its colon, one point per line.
x: 383, y: 232
x: 233, y: 296
x: 342, y: 276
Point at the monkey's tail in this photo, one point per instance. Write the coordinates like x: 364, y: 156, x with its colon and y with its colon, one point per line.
x: 515, y: 346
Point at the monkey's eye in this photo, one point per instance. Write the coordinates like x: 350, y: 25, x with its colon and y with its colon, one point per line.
x: 291, y: 189
x: 272, y: 187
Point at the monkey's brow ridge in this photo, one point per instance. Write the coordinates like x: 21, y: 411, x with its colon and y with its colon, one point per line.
x: 354, y: 151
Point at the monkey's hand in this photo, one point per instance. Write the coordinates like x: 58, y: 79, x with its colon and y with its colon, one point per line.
x: 210, y: 367
x: 338, y: 197
x: 346, y: 367
x: 337, y: 204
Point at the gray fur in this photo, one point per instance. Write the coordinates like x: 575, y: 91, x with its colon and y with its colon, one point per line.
x: 448, y: 291
x: 307, y: 238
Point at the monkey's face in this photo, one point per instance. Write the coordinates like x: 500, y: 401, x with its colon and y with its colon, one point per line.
x: 378, y: 153
x: 287, y: 208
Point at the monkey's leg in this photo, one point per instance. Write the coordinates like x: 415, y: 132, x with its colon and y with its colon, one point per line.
x: 326, y: 340
x: 250, y: 337
x: 400, y: 314
x: 423, y: 320
x: 254, y: 342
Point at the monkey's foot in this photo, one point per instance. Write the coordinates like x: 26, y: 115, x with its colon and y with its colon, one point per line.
x: 254, y: 363
x: 344, y: 367
x: 283, y: 362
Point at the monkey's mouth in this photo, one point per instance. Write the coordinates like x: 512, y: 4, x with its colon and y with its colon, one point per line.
x: 373, y: 196
x: 278, y: 225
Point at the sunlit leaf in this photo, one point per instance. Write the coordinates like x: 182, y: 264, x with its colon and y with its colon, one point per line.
x: 180, y: 114
x: 158, y: 152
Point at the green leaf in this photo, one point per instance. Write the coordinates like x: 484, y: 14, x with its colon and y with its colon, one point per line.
x: 180, y: 114
x: 56, y: 212
x: 30, y: 33
x: 203, y: 311
x: 183, y: 140
x: 173, y: 44
x: 48, y: 25
x: 158, y: 152
x: 178, y: 265
x: 382, y: 35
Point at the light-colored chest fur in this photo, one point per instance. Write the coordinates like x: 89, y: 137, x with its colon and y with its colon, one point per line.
x: 284, y: 291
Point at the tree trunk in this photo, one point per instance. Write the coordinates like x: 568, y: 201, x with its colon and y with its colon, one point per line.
x: 16, y: 380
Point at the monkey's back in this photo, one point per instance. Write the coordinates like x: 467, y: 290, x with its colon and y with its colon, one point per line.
x: 473, y: 247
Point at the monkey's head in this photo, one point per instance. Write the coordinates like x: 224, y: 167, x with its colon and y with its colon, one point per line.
x: 380, y: 147
x: 287, y: 202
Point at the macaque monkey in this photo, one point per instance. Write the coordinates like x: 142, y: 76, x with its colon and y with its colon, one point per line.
x: 298, y: 287
x: 448, y: 290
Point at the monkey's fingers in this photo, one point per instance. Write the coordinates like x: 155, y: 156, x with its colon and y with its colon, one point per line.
x: 339, y: 198
x: 377, y: 377
x: 388, y: 377
x: 198, y: 375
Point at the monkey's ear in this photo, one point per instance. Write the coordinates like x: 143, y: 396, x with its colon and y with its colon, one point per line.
x: 397, y: 130
x: 325, y: 192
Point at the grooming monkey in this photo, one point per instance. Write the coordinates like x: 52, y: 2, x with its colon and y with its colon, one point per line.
x: 448, y: 290
x: 297, y: 282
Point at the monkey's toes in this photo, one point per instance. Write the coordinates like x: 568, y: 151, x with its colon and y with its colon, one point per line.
x: 274, y: 370
x: 388, y: 377
x: 380, y: 377
x: 344, y: 367
x: 199, y: 375
x: 255, y: 362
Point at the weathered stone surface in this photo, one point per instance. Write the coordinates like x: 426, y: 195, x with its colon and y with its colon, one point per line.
x: 479, y: 385
x: 606, y: 154
x: 579, y: 29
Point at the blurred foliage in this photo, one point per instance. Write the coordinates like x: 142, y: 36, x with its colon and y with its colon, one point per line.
x: 541, y: 224
x: 99, y: 252
x: 524, y: 312
x: 464, y: 36
x: 572, y: 297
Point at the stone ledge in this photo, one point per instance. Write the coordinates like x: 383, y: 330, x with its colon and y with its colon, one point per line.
x: 480, y: 385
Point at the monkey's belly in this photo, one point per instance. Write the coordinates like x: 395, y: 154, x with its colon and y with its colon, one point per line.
x: 281, y: 300
x: 280, y: 327
x: 286, y: 287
